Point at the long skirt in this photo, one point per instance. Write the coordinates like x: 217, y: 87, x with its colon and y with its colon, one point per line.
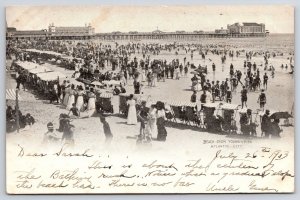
x: 161, y: 130
x: 79, y: 103
x: 132, y: 118
x: 66, y: 99
x: 91, y: 109
x: 70, y: 102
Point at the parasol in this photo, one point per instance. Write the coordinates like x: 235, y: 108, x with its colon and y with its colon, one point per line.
x: 199, y: 70
x: 96, y: 83
x: 281, y: 115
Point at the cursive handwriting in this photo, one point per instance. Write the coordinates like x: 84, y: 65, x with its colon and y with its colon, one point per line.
x: 98, y: 165
x: 217, y: 188
x: 22, y: 153
x: 27, y: 174
x: 213, y: 173
x: 253, y: 186
x: 62, y: 152
x: 154, y: 164
x: 121, y: 175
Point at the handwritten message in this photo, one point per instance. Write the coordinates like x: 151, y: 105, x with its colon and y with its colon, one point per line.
x: 223, y: 171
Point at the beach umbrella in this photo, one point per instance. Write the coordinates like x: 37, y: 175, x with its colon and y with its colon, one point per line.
x: 96, y: 83
x: 199, y: 70
x: 75, y: 82
x: 281, y: 115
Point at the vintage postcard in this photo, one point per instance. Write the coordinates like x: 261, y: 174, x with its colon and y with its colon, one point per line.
x: 150, y: 99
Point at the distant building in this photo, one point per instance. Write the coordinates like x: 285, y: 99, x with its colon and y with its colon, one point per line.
x: 235, y: 30
x: 10, y: 31
x: 222, y: 31
x: 26, y: 34
x: 71, y: 30
x: 246, y: 28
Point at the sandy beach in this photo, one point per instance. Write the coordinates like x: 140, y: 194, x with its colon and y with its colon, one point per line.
x: 124, y: 135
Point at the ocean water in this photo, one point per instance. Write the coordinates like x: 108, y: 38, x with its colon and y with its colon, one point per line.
x: 278, y: 43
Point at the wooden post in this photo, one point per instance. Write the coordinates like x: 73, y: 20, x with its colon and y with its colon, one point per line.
x: 17, y: 110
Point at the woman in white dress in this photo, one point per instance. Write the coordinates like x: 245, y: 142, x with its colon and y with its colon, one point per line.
x: 71, y: 99
x: 152, y: 127
x: 67, y: 93
x: 177, y: 73
x: 79, y: 102
x: 91, y: 103
x: 131, y: 118
x: 143, y: 74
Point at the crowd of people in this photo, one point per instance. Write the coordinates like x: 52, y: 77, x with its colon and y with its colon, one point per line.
x: 105, y: 62
x: 14, y: 115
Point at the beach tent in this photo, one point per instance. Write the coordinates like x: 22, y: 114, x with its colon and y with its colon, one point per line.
x: 52, y: 53
x: 40, y: 69
x: 112, y: 82
x: 75, y: 82
x: 51, y: 76
x: 11, y: 95
x: 26, y: 65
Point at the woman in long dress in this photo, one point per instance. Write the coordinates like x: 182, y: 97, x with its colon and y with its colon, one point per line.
x: 79, y: 102
x: 91, y: 108
x: 66, y: 98
x: 161, y: 129
x: 151, y: 127
x: 71, y: 99
x: 131, y: 118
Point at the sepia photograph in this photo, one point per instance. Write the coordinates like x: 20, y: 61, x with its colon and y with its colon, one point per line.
x: 150, y: 99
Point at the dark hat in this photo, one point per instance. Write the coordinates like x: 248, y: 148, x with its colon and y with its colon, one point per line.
x: 50, y: 125
x: 160, y: 105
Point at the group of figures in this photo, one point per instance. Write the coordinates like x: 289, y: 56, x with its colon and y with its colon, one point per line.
x: 152, y: 118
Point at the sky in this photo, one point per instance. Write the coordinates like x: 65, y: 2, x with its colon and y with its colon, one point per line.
x: 278, y: 19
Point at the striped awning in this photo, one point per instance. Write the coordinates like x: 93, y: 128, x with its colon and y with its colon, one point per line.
x: 11, y: 94
x: 211, y: 105
x: 227, y: 106
x: 124, y: 94
x: 176, y: 103
x: 111, y: 82
x: 182, y: 103
x: 106, y: 95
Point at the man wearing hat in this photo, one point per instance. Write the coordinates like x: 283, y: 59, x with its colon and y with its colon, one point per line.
x: 265, y: 84
x: 266, y: 124
x: 262, y: 99
x: 244, y: 96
